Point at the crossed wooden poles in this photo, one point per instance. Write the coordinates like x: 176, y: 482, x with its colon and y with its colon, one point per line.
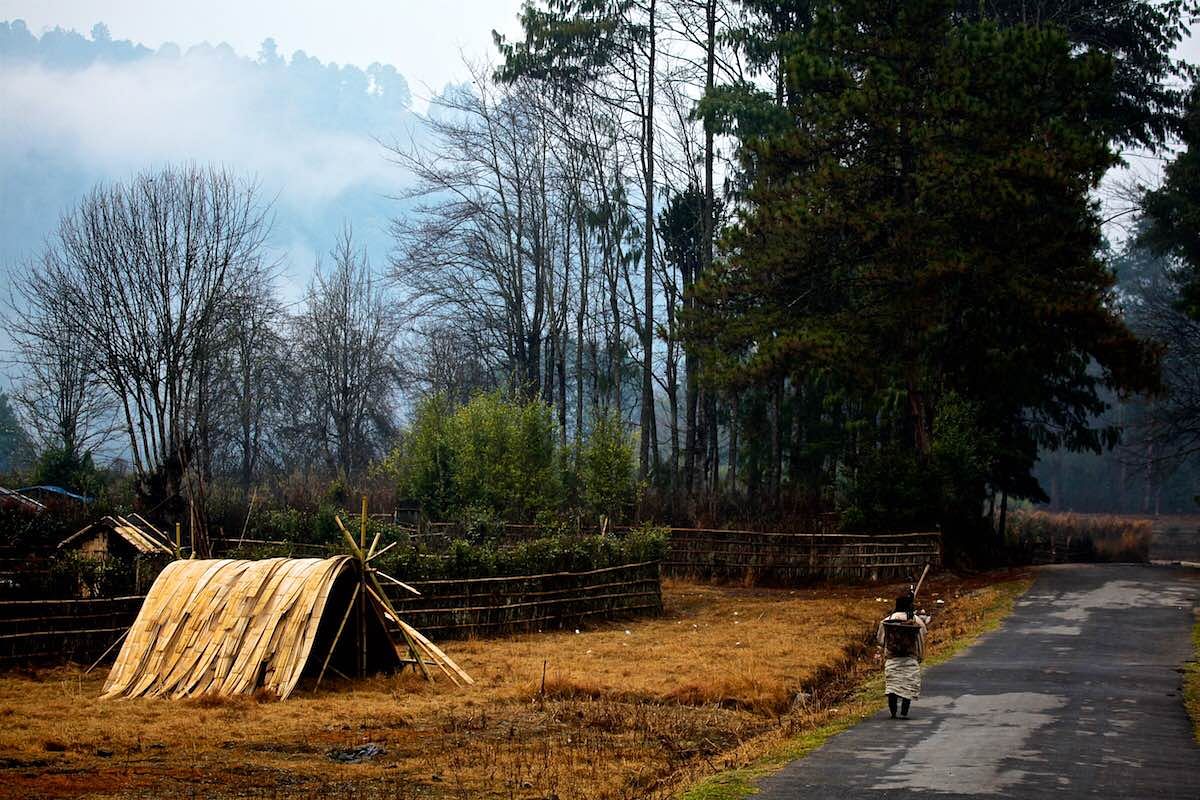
x: 421, y: 651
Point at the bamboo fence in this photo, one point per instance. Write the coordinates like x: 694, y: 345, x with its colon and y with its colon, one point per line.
x: 81, y: 630
x: 63, y: 630
x: 491, y: 606
x: 757, y: 557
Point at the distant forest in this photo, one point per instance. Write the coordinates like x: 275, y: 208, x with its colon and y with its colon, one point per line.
x: 1156, y: 467
x: 304, y: 128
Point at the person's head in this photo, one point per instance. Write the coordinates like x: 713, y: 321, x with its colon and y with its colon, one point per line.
x: 904, y: 603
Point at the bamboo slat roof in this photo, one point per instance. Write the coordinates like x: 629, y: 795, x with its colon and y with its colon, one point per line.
x: 225, y: 627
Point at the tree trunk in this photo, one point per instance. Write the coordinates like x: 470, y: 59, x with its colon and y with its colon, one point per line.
x: 579, y: 319
x: 733, y: 443
x: 648, y: 432
x: 776, y: 441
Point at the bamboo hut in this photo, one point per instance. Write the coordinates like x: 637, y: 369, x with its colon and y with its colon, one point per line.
x: 229, y: 627
x: 131, y: 535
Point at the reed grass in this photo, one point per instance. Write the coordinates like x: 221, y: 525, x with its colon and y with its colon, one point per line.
x: 1046, y: 535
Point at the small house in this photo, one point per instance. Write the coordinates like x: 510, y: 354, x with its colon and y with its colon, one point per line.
x: 13, y: 499
x: 118, y: 536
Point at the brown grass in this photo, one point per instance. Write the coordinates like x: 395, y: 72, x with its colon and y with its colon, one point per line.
x: 1191, y: 681
x: 627, y: 711
x: 1086, y: 537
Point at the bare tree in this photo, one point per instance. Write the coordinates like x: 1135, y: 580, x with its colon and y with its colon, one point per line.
x: 1167, y: 428
x: 248, y: 385
x: 346, y: 371
x: 59, y: 395
x: 477, y: 256
x: 148, y: 268
x: 448, y: 362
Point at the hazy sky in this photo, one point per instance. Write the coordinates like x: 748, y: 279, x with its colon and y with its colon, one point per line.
x: 421, y: 38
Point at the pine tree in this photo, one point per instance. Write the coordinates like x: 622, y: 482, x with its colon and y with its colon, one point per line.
x: 922, y: 233
x: 1172, y: 211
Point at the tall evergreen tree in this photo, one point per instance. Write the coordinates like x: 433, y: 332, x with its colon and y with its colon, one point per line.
x: 1172, y: 211
x: 923, y: 236
x: 1148, y: 81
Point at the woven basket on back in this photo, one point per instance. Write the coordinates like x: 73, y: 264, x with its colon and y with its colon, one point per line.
x: 900, y: 637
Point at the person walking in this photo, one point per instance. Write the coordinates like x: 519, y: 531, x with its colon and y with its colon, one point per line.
x: 902, y: 634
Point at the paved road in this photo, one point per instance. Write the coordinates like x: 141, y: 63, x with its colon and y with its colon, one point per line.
x: 1077, y: 695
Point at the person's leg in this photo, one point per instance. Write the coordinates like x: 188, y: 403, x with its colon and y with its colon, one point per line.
x: 904, y: 704
x: 892, y: 704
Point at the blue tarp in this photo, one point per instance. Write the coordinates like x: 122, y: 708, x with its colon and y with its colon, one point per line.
x: 58, y: 490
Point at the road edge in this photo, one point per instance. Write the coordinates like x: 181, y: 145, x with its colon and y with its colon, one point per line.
x: 1191, y: 679
x: 863, y: 700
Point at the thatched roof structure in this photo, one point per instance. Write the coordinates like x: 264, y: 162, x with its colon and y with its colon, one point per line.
x: 133, y: 530
x: 230, y: 627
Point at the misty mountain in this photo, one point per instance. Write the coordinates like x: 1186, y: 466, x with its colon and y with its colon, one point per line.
x: 80, y: 109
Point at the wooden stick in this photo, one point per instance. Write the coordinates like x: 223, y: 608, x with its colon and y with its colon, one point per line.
x: 348, y: 537
x: 406, y: 631
x: 337, y: 637
x: 362, y: 533
x: 106, y: 652
x: 362, y: 580
x: 416, y: 634
x: 374, y: 543
x: 922, y: 580
x: 249, y: 511
x: 383, y: 603
x: 381, y: 552
x: 401, y: 584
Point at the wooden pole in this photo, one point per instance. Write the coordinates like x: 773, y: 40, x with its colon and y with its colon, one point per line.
x: 178, y: 542
x: 924, y: 572
x: 383, y: 607
x: 377, y: 553
x: 338, y: 636
x: 120, y: 639
x: 362, y: 582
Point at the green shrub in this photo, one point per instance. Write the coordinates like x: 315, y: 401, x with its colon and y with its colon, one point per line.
x: 73, y: 574
x: 337, y: 493
x: 492, y: 453
x: 606, y: 468
x: 282, y: 524
x: 73, y: 471
x: 502, y: 457
x: 480, y: 523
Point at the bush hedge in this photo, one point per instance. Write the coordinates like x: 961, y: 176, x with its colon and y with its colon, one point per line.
x: 438, y: 558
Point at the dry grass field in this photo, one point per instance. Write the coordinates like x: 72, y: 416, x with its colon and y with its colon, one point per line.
x: 622, y: 711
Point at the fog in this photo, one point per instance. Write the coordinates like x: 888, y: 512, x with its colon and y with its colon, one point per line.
x: 78, y: 109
